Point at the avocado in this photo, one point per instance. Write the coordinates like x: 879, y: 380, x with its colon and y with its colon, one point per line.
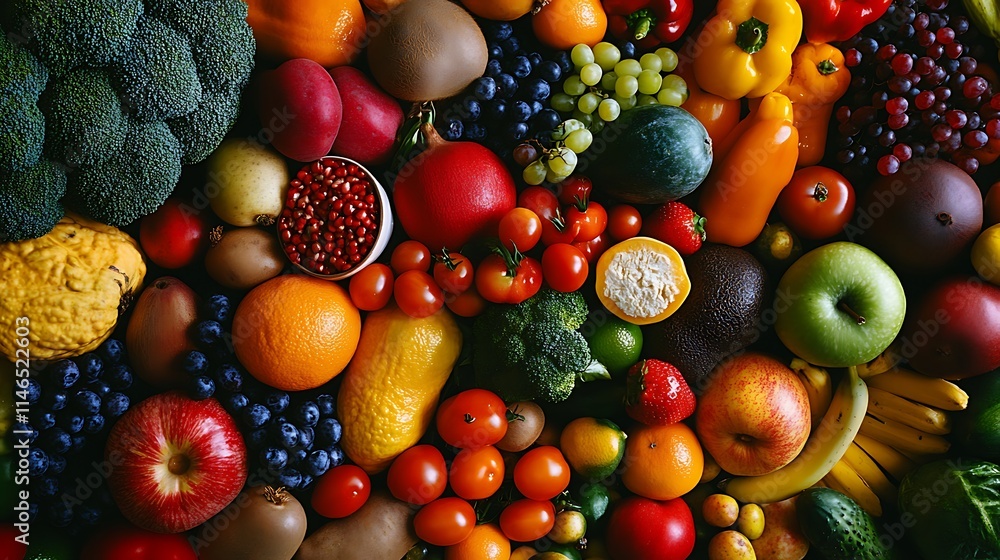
x: 977, y: 428
x: 720, y: 317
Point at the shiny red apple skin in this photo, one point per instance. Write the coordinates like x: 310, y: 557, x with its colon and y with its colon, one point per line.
x: 754, y: 416
x: 148, y: 448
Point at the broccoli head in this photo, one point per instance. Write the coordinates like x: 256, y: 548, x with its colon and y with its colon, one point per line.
x: 158, y: 76
x: 22, y: 132
x: 29, y: 201
x: 533, y: 350
x: 84, y: 122
x: 203, y: 129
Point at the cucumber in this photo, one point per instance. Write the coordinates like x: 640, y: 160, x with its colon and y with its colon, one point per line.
x: 977, y: 428
x: 837, y: 526
x: 650, y: 155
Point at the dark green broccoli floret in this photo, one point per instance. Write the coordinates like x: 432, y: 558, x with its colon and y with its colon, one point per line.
x: 533, y: 350
x: 84, y: 122
x: 23, y: 75
x: 201, y: 130
x: 22, y: 132
x: 158, y: 76
x: 134, y: 182
x: 29, y: 201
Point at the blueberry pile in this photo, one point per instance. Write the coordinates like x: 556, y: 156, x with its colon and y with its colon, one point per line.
x: 73, y: 404
x: 291, y: 438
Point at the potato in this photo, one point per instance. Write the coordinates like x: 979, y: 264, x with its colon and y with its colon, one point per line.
x: 382, y: 528
x: 524, y: 429
x: 782, y: 539
x: 246, y: 183
x: 244, y: 258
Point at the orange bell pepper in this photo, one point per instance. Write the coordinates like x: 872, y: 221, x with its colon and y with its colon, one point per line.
x: 328, y: 32
x: 743, y: 186
x: 718, y: 114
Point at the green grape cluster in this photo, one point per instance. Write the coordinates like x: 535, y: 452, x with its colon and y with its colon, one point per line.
x: 558, y: 161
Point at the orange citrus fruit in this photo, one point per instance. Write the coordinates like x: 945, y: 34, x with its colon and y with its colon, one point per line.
x: 295, y: 332
x: 500, y: 10
x: 487, y: 542
x: 561, y: 24
x: 662, y: 462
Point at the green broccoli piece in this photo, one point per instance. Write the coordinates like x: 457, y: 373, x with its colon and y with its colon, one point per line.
x: 23, y: 75
x: 22, y: 135
x: 202, y: 130
x: 29, y: 201
x: 134, y: 182
x: 533, y: 350
x: 84, y: 122
x: 158, y: 76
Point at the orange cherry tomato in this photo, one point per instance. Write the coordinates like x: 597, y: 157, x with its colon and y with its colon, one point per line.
x: 472, y: 418
x: 341, y: 491
x: 419, y: 475
x: 624, y: 222
x: 371, y: 287
x: 817, y: 203
x: 520, y: 228
x: 410, y: 255
x: 476, y: 474
x: 542, y: 473
x: 527, y: 520
x: 445, y: 522
x: 417, y: 294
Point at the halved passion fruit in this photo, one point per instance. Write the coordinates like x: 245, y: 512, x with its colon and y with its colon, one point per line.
x: 642, y: 280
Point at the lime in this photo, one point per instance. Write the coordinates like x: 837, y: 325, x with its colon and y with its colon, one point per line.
x: 593, y: 447
x: 617, y: 344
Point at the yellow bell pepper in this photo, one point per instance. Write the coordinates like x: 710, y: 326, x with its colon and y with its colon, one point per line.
x: 746, y: 49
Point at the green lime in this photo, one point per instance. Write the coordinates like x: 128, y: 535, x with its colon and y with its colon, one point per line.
x: 617, y: 344
x: 593, y: 499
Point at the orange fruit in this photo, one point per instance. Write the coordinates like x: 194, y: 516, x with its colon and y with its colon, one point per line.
x: 561, y: 24
x: 296, y: 332
x: 486, y: 542
x: 662, y: 462
x: 500, y: 10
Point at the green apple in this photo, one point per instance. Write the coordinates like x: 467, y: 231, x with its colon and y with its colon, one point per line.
x: 839, y: 305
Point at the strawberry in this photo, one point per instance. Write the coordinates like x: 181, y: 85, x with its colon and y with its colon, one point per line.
x: 676, y: 225
x: 657, y: 394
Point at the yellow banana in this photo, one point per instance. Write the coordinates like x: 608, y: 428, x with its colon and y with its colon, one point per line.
x: 884, y: 404
x: 891, y: 460
x: 846, y: 480
x: 825, y: 447
x: 902, y: 437
x: 882, y: 363
x: 931, y: 391
x: 870, y: 473
x: 818, y: 386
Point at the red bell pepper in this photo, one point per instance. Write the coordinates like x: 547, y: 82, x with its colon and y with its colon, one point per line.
x: 828, y: 21
x: 648, y: 23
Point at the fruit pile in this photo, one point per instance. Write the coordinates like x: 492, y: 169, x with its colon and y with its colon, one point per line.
x: 500, y: 280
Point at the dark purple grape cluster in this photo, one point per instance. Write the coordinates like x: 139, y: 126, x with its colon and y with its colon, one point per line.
x: 292, y: 438
x: 915, y: 92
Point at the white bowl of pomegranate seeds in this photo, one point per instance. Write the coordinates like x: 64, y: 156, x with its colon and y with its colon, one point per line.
x: 336, y: 218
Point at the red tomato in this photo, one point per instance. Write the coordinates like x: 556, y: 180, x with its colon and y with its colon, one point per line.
x: 417, y: 294
x: 593, y: 219
x: 527, y: 520
x: 410, y: 255
x: 503, y: 279
x: 419, y: 475
x: 476, y: 474
x: 624, y: 222
x: 173, y: 235
x: 466, y: 304
x: 574, y: 190
x: 445, y: 522
x: 520, y: 228
x: 341, y: 491
x: 559, y: 230
x: 124, y: 541
x: 452, y: 272
x: 371, y: 287
x: 539, y: 200
x: 593, y: 249
x: 564, y: 267
x: 11, y: 549
x: 472, y: 418
x: 817, y: 203
x: 542, y: 473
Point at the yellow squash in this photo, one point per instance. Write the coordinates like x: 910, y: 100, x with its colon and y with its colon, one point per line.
x: 69, y: 286
x: 391, y: 387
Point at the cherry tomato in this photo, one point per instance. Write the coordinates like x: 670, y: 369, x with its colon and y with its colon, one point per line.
x: 445, y: 522
x: 574, y: 190
x: 542, y: 473
x: 419, y: 475
x: 371, y: 287
x: 507, y: 279
x: 564, y: 267
x: 593, y: 249
x: 520, y: 228
x: 593, y: 219
x: 473, y: 418
x: 527, y: 520
x: 341, y: 491
x: 539, y: 200
x: 452, y: 272
x: 466, y: 304
x: 476, y: 474
x: 173, y: 235
x: 559, y: 230
x: 417, y: 294
x: 410, y: 255
x: 624, y: 222
x: 817, y: 203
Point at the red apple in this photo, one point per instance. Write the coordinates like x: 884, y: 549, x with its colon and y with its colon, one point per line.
x: 370, y: 120
x: 174, y: 235
x: 176, y: 462
x: 651, y: 530
x: 754, y: 415
x: 300, y: 109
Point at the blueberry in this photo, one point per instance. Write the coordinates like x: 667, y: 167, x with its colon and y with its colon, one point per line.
x: 547, y: 120
x: 38, y: 461
x: 485, y: 88
x: 100, y: 388
x: 89, y: 516
x: 550, y: 71
x: 32, y: 511
x: 256, y: 415
x: 195, y: 363
x: 57, y: 464
x: 307, y: 414
x: 72, y: 423
x: 318, y: 462
x: 497, y: 110
x: 22, y: 429
x: 119, y: 377
x: 274, y: 458
x: 472, y: 109
x: 299, y: 456
x: 290, y: 478
x: 235, y: 402
x: 306, y: 437
x: 218, y: 308
x: 501, y: 31
x: 328, y: 431
x: 33, y: 391
x: 287, y: 435
x: 627, y: 49
x: 475, y: 131
x: 79, y: 440
x: 519, y: 111
x: 507, y: 86
x: 257, y: 439
x: 47, y: 487
x: 44, y: 420
x: 112, y: 351
x: 495, y: 51
x: 115, y: 404
x: 336, y: 456
x: 453, y: 129
x: 327, y: 405
x: 64, y: 374
x: 90, y: 365
x: 520, y: 67
x: 535, y: 58
x: 536, y: 107
x: 54, y: 400
x: 517, y: 131
x: 538, y: 89
x: 202, y: 387
x: 277, y: 401
x: 60, y: 514
x: 93, y: 424
x: 87, y: 402
x: 229, y: 378
x: 207, y: 333
x: 493, y: 69
x: 511, y: 45
x: 306, y: 481
x: 565, y: 62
